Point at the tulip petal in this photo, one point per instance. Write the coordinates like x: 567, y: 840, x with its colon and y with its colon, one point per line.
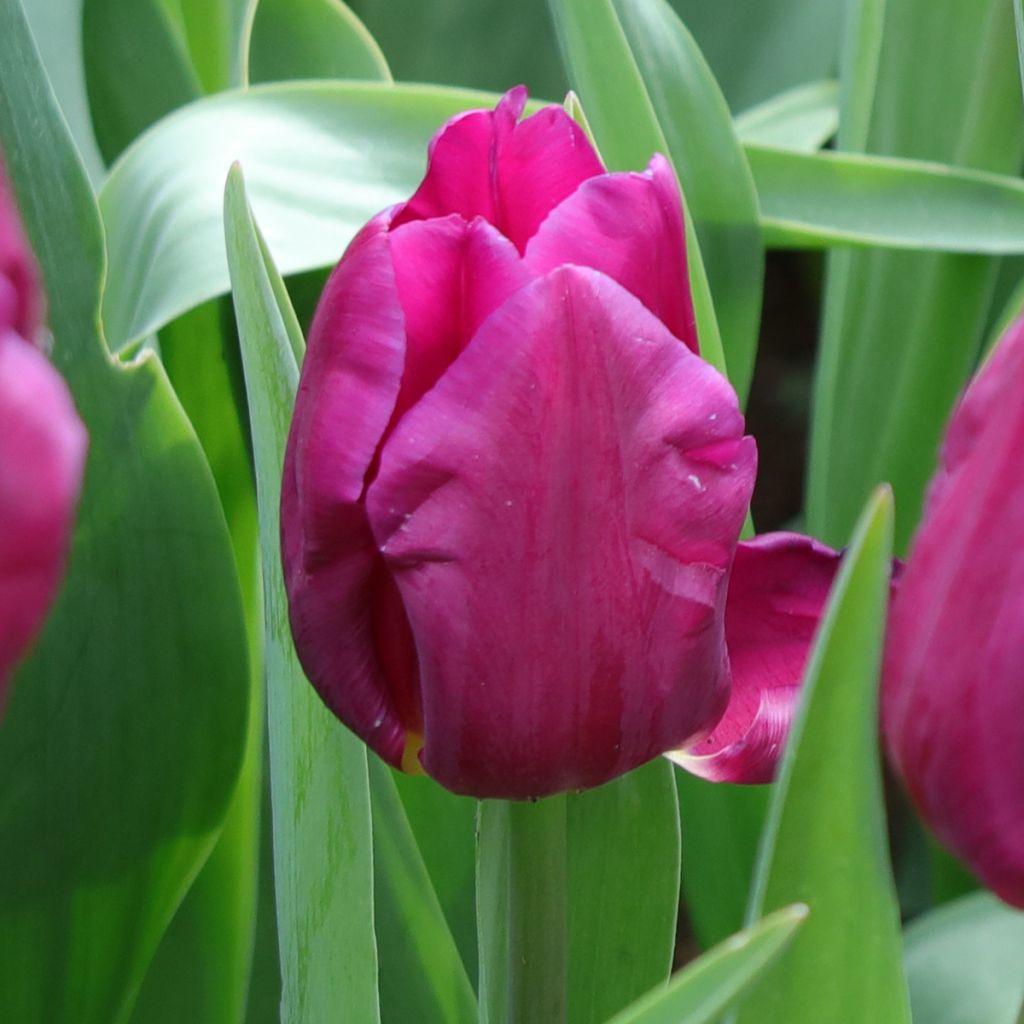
x: 485, y: 164
x: 42, y: 451
x: 559, y: 514
x: 451, y: 275
x: 953, y: 689
x: 347, y: 392
x: 779, y: 585
x: 630, y: 226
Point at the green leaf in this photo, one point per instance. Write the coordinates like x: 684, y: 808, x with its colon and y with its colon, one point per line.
x: 311, y: 39
x: 902, y: 330
x: 825, y: 840
x: 422, y: 976
x: 212, y: 30
x: 122, y: 742
x: 813, y: 200
x: 1018, y: 22
x: 721, y: 827
x: 322, y: 840
x: 618, y: 99
x: 963, y: 963
x: 803, y: 118
x: 624, y: 850
x: 714, y: 982
x: 136, y: 69
x: 714, y: 175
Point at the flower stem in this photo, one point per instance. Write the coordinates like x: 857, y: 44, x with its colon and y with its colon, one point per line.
x: 521, y: 894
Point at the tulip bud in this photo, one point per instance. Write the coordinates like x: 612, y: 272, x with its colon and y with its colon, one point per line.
x: 512, y: 490
x: 42, y: 449
x: 953, y: 691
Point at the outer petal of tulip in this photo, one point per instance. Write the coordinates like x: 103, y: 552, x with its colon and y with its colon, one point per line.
x: 953, y: 694
x: 630, y: 226
x: 559, y: 513
x: 779, y: 586
x: 347, y: 393
x: 42, y: 450
x: 512, y: 174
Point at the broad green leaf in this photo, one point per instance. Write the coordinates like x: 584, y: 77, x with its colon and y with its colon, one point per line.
x: 721, y: 826
x: 323, y: 864
x: 604, y: 71
x: 136, y: 69
x: 813, y: 200
x: 902, y: 330
x: 803, y: 118
x: 122, y: 742
x: 963, y: 963
x: 825, y: 839
x: 311, y: 39
x: 422, y: 976
x: 623, y: 850
x: 715, y: 176
x: 714, y: 982
x: 340, y: 152
x: 212, y: 30
x: 201, y: 971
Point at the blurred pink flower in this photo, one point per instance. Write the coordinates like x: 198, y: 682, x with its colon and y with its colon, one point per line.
x: 512, y: 489
x: 953, y: 693
x: 42, y: 450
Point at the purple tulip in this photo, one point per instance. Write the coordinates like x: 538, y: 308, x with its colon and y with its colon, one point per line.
x: 512, y: 490
x: 953, y: 691
x: 42, y: 449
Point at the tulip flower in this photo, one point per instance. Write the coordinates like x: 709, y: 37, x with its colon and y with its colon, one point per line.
x: 42, y: 448
x: 512, y: 489
x: 953, y: 690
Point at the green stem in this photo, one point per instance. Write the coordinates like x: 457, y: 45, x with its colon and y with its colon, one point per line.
x: 521, y: 893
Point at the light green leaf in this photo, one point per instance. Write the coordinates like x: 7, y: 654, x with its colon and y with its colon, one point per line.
x: 322, y: 839
x: 828, y: 199
x: 422, y: 976
x: 714, y: 982
x: 803, y: 118
x: 212, y: 31
x: 122, y: 742
x: 825, y: 840
x: 963, y: 963
x: 311, y: 39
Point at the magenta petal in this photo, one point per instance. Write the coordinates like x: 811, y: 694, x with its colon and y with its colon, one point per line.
x: 559, y: 514
x: 485, y: 164
x: 777, y: 592
x: 21, y: 298
x: 347, y: 392
x: 451, y: 276
x: 630, y: 226
x: 42, y: 452
x: 953, y: 687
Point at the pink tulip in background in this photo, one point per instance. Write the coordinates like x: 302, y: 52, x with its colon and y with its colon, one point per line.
x: 953, y: 692
x: 42, y: 450
x: 512, y: 488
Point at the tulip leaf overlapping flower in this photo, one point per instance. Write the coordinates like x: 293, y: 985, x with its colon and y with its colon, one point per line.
x: 513, y: 490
